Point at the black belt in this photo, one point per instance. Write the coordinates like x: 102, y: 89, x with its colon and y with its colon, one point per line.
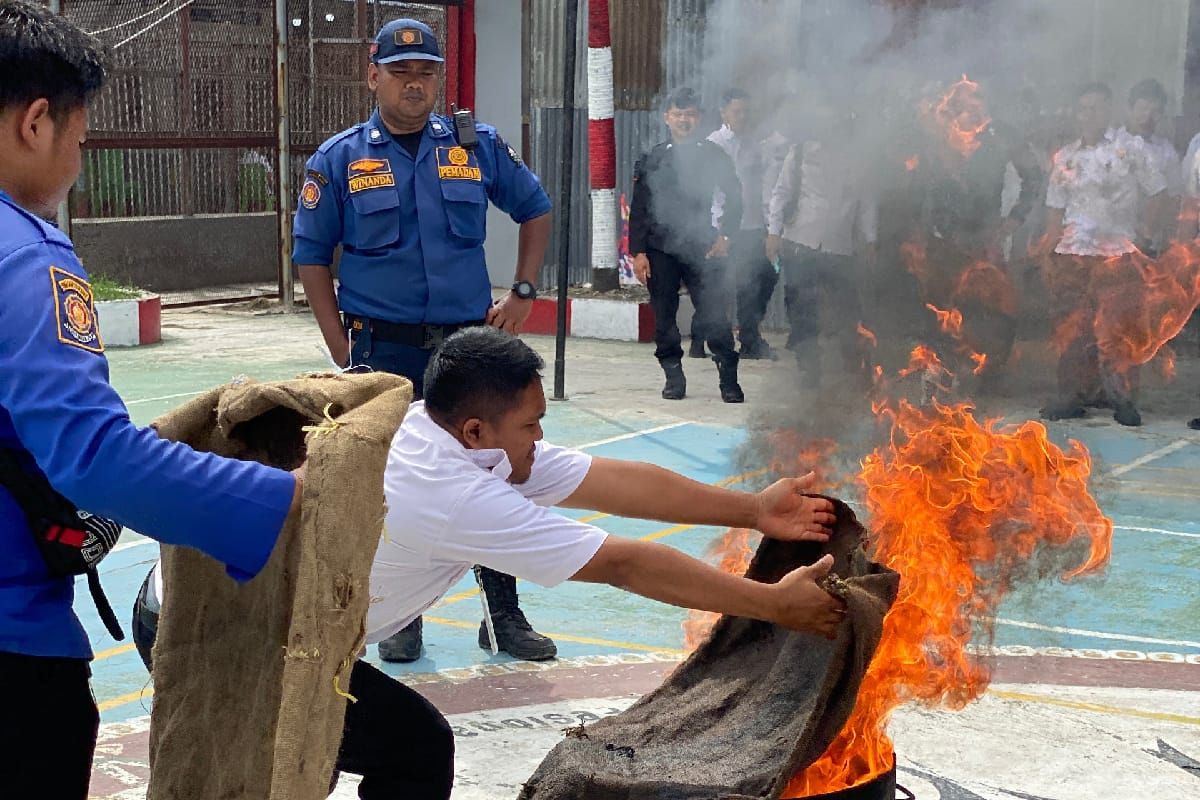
x: 413, y: 334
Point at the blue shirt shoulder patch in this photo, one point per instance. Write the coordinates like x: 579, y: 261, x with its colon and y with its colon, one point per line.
x: 75, y: 310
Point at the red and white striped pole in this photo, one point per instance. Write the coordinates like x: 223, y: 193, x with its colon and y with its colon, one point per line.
x: 602, y: 149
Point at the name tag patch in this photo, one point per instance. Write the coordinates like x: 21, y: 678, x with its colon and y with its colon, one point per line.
x: 370, y: 173
x: 457, y: 164
x: 75, y: 311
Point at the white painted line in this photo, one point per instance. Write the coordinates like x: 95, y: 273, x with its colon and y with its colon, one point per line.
x: 1157, y: 530
x: 632, y: 435
x: 143, y: 540
x: 1152, y: 456
x: 1033, y: 626
x: 163, y: 397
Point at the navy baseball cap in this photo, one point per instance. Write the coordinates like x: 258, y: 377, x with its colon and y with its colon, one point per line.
x: 405, y: 39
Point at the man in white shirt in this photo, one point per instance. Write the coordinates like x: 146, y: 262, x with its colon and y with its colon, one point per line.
x: 1147, y: 105
x: 820, y: 215
x: 469, y: 481
x: 754, y: 277
x: 1093, y: 202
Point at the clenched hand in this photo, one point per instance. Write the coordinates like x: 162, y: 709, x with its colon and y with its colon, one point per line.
x: 802, y: 605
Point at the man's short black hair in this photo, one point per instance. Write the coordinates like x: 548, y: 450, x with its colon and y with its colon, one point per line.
x: 1096, y: 87
x: 1151, y: 90
x: 44, y: 55
x: 683, y: 97
x: 733, y: 93
x: 479, y: 373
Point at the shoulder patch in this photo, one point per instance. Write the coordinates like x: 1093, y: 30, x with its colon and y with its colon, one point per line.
x: 317, y: 176
x: 310, y: 194
x: 75, y: 311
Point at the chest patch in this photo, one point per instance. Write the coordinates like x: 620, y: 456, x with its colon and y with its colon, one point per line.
x: 75, y: 311
x: 458, y: 164
x: 369, y: 173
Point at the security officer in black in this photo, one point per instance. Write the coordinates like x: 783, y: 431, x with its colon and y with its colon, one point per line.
x: 406, y: 195
x: 674, y: 243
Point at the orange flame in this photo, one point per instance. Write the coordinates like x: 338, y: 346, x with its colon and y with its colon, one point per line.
x: 867, y: 335
x: 988, y: 285
x: 1166, y: 358
x: 980, y: 360
x: 949, y: 321
x: 961, y: 510
x: 960, y: 117
x: 912, y: 163
x: 733, y: 552
x: 921, y: 359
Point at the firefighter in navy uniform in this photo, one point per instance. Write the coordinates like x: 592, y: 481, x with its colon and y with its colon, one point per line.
x: 674, y: 243
x: 406, y: 194
x: 66, y: 428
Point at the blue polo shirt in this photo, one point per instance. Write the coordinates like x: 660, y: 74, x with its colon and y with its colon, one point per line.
x: 411, y: 229
x: 58, y: 411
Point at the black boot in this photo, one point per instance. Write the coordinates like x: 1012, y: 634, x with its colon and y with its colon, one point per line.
x: 696, y: 349
x: 514, y: 634
x: 731, y: 392
x: 1126, y: 413
x: 1064, y: 409
x: 676, y: 385
x: 404, y: 646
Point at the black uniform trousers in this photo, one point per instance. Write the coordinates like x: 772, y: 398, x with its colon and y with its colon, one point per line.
x: 48, y: 727
x: 821, y: 287
x: 755, y: 279
x: 393, y: 737
x: 705, y: 283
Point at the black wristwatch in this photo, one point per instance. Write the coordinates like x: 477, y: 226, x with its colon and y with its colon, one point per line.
x: 525, y: 290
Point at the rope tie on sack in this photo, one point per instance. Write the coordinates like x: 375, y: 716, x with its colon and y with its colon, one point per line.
x: 346, y: 664
x: 329, y: 425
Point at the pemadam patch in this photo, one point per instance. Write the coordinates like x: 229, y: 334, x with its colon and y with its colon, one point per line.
x: 310, y: 194
x: 457, y: 164
x: 75, y: 311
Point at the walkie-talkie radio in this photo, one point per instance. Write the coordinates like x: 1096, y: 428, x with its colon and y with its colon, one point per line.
x: 464, y: 127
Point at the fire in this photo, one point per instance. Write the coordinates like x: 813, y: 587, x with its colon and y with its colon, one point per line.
x: 980, y: 360
x: 922, y: 359
x: 1143, y: 303
x: 868, y: 335
x: 988, y: 285
x: 1166, y: 358
x: 959, y: 117
x: 950, y: 321
x: 912, y: 163
x: 733, y: 552
x: 961, y: 509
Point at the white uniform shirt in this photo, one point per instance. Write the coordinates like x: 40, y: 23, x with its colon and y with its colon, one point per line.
x: 749, y: 164
x: 449, y: 508
x: 834, y: 205
x: 1098, y: 190
x: 1164, y: 157
x: 1191, y: 169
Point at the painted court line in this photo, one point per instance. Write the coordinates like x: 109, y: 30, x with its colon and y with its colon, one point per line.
x: 1154, y: 455
x: 161, y: 397
x: 633, y: 435
x: 1156, y: 530
x: 1120, y: 637
x: 1096, y: 707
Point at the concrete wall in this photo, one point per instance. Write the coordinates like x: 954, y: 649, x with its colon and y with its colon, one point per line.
x: 165, y: 254
x: 498, y: 102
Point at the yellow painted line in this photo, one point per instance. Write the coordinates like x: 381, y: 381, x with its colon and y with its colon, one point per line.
x: 665, y: 532
x: 1161, y: 716
x: 114, y: 651
x: 458, y: 598
x: 593, y: 517
x: 125, y: 699
x: 454, y: 623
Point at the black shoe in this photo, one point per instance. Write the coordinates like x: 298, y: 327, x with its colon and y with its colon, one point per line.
x: 696, y: 349
x: 1195, y: 424
x: 676, y: 385
x: 404, y: 646
x: 1072, y: 409
x: 758, y: 351
x: 1126, y: 414
x: 515, y: 636
x: 731, y: 392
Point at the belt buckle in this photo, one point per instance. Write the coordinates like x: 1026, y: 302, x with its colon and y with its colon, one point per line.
x: 433, y: 336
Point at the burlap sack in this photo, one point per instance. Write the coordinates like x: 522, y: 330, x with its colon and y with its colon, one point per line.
x: 753, y: 705
x: 246, y: 677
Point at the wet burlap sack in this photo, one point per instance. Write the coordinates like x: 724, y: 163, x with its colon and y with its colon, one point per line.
x: 247, y: 677
x: 750, y: 707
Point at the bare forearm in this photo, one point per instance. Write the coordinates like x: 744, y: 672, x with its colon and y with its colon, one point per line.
x: 662, y: 573
x: 531, y: 247
x: 318, y: 290
x: 644, y: 491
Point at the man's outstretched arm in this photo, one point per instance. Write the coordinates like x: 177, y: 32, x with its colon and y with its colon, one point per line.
x: 645, y: 491
x: 669, y: 576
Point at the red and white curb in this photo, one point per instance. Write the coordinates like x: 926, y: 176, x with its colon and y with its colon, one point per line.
x: 128, y: 323
x: 594, y: 318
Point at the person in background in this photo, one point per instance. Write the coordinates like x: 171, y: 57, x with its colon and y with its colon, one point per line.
x: 674, y: 243
x: 1094, y: 215
x: 753, y: 274
x: 1147, y: 106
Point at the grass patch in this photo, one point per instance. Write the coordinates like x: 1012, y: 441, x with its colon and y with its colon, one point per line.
x: 105, y: 288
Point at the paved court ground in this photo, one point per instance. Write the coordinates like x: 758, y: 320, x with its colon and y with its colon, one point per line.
x: 1097, y: 683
